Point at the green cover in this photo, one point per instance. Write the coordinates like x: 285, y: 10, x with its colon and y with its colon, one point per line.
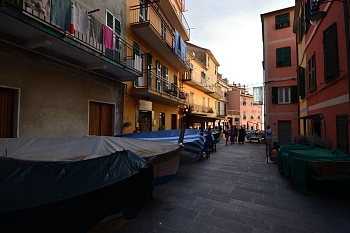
x: 292, y: 161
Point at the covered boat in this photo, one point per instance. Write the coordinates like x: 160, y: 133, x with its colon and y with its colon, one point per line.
x: 71, y: 184
x: 195, y: 142
x: 301, y: 161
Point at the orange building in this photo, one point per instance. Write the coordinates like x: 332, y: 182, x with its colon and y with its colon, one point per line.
x: 280, y: 74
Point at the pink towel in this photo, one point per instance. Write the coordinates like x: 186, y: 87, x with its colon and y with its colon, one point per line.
x: 108, y: 37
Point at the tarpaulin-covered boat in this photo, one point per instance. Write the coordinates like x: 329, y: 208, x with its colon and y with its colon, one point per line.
x: 70, y: 184
x: 195, y: 142
x: 300, y: 161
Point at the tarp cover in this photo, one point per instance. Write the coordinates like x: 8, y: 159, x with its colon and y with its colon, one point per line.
x: 79, y: 148
x: 192, y: 137
x: 292, y: 160
x: 26, y: 184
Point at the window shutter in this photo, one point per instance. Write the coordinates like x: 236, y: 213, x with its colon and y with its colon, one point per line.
x: 330, y: 51
x: 294, y: 94
x: 301, y: 82
x: 275, y: 95
x: 286, y: 56
x: 110, y: 20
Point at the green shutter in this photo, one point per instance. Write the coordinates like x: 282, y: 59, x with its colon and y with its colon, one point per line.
x: 301, y: 82
x: 330, y: 51
x: 275, y: 95
x: 294, y: 94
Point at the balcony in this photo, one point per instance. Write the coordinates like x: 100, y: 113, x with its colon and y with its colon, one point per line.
x: 200, y: 109
x: 27, y: 28
x: 153, y: 86
x: 233, y: 113
x: 201, y: 83
x: 176, y: 16
x: 151, y: 26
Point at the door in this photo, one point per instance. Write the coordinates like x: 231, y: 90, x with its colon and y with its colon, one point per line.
x: 149, y: 68
x: 7, y: 103
x: 173, y: 121
x: 145, y: 118
x: 342, y: 133
x: 100, y: 119
x: 284, y: 132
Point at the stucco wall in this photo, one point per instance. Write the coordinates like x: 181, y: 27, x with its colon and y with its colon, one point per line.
x: 54, y: 97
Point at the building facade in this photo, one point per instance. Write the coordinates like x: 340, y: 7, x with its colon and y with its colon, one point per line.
x: 280, y: 74
x: 323, y: 65
x: 62, y: 73
x: 153, y: 101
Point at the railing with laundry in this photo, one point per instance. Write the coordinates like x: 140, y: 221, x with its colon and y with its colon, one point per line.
x: 76, y: 23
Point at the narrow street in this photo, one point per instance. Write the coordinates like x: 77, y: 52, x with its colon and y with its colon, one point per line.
x: 236, y: 191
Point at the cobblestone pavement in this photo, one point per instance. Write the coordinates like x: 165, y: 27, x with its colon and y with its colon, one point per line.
x: 236, y: 191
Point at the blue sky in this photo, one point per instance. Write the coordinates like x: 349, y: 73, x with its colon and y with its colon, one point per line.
x: 231, y: 30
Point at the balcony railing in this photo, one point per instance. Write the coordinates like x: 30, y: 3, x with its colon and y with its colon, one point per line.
x: 149, y: 23
x: 157, y: 83
x: 51, y: 24
x: 200, y: 108
x: 233, y: 113
x: 202, y: 82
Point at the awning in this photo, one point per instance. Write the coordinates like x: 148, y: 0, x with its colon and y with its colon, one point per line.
x: 316, y: 116
x: 199, y: 119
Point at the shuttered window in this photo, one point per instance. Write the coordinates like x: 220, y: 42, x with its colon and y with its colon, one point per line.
x: 284, y: 95
x: 283, y: 57
x: 282, y: 21
x: 330, y: 52
x: 301, y: 82
x: 312, y: 72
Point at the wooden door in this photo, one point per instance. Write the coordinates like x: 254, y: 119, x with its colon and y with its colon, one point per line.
x: 100, y: 119
x: 7, y: 97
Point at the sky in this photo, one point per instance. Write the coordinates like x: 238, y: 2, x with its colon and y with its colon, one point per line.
x: 232, y: 31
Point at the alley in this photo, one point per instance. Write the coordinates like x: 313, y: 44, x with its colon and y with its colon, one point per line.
x: 236, y: 191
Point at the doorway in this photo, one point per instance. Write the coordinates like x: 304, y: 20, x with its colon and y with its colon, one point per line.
x: 284, y: 132
x: 101, y: 119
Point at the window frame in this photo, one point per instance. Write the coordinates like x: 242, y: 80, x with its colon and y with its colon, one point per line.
x: 283, y: 57
x: 312, y: 72
x: 284, y: 20
x: 330, y: 52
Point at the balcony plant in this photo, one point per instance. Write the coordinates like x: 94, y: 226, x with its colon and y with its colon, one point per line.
x: 210, y: 110
x: 162, y: 127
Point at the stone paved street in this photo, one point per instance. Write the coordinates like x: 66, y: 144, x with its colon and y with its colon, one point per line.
x: 236, y: 191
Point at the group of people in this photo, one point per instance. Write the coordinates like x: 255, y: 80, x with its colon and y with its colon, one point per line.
x: 234, y: 134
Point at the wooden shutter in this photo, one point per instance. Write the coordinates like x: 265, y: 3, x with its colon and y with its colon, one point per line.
x: 294, y: 94
x: 301, y: 82
x: 275, y: 95
x: 330, y: 51
x: 6, y: 112
x: 100, y: 119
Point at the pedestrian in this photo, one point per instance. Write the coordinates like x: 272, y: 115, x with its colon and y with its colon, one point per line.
x: 232, y: 135
x: 242, y: 134
x: 226, y: 132
x: 236, y: 133
x: 268, y: 136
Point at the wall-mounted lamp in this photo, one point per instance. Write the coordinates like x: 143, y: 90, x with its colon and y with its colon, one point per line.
x: 316, y: 15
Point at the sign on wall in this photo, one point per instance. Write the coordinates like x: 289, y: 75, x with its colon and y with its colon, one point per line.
x: 257, y: 96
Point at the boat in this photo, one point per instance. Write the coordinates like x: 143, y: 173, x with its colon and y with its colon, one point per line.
x: 300, y: 162
x: 71, y: 184
x: 195, y: 142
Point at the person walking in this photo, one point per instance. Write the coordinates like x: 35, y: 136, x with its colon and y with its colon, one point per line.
x: 268, y: 136
x: 226, y: 132
x: 232, y: 135
x: 236, y: 133
x: 242, y: 134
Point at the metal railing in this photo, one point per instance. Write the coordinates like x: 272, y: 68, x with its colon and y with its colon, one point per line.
x: 160, y: 84
x: 121, y: 54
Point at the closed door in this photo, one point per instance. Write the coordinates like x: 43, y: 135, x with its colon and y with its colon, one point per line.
x: 284, y: 132
x: 7, y: 97
x: 100, y: 119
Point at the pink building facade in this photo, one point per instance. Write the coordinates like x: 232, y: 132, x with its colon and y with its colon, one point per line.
x: 280, y: 74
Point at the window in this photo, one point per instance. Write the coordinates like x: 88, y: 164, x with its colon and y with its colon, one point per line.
x: 284, y: 95
x: 282, y: 21
x: 312, y: 72
x: 244, y: 101
x: 159, y: 75
x: 163, y: 30
x: 330, y: 52
x: 114, y: 24
x: 283, y: 57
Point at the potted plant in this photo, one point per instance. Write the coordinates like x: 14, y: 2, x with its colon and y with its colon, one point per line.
x: 162, y: 127
x: 127, y: 124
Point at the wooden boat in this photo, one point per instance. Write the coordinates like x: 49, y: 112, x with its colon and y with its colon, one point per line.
x: 71, y: 184
x: 195, y: 142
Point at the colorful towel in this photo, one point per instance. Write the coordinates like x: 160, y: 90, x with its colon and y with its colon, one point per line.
x: 108, y: 37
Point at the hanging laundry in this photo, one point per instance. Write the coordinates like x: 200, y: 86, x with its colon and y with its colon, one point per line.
x: 40, y: 6
x: 95, y: 30
x: 176, y: 42
x: 61, y: 11
x: 108, y: 37
x: 79, y: 20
